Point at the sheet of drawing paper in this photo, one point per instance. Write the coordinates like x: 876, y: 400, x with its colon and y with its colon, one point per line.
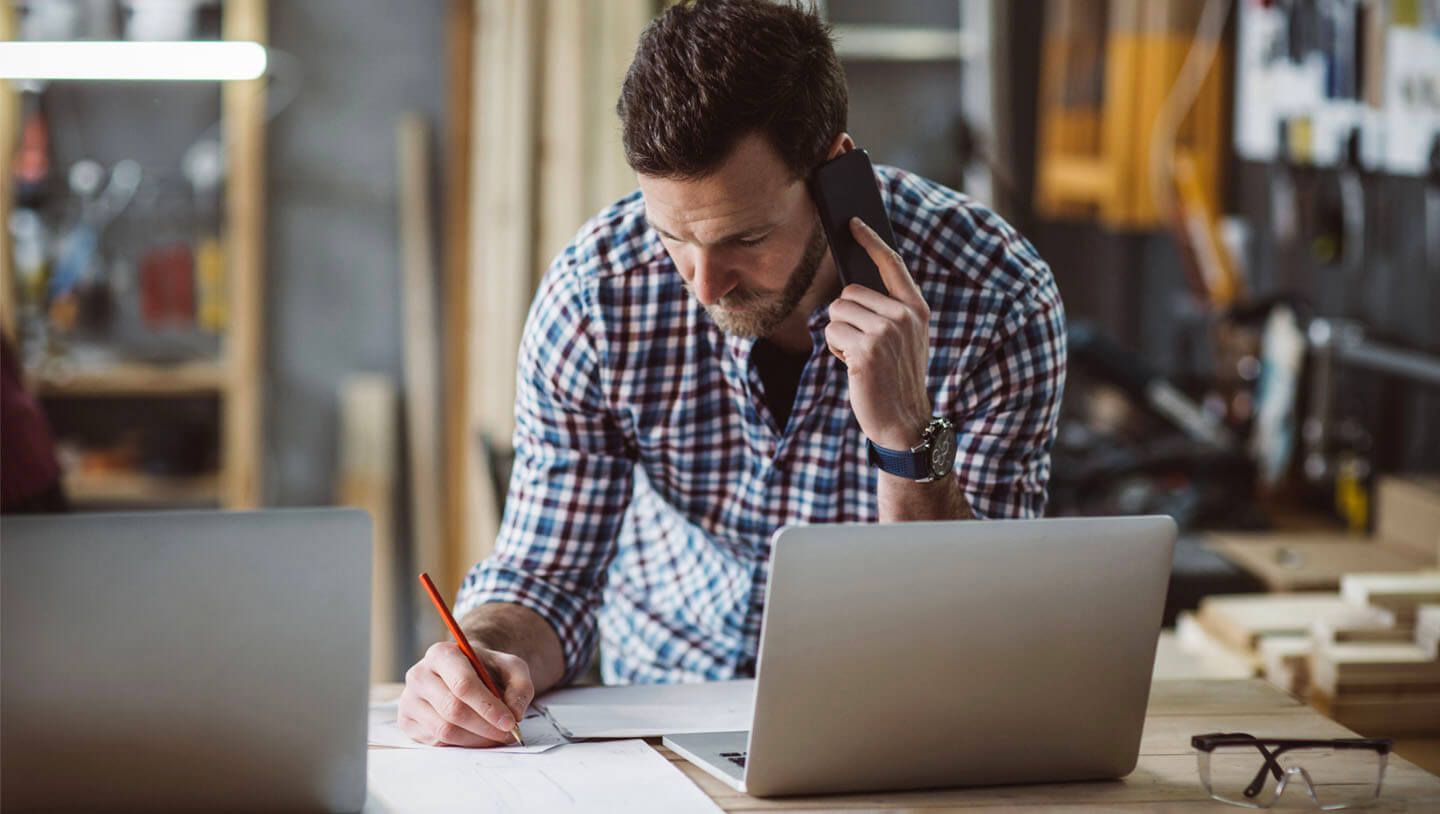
x: 623, y: 777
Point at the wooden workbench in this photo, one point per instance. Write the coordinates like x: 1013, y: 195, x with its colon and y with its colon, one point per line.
x: 1164, y: 780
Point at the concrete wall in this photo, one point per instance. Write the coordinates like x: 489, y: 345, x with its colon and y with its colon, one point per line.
x: 333, y: 279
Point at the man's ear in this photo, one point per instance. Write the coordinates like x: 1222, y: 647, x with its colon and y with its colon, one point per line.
x: 842, y: 144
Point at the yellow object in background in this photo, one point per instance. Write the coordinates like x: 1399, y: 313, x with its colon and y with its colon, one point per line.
x: 1352, y: 499
x: 210, y: 285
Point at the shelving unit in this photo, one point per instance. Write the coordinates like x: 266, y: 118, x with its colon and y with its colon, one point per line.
x: 234, y: 377
x: 138, y: 489
x: 129, y: 379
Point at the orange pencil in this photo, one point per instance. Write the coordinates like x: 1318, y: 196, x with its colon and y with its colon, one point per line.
x: 465, y: 647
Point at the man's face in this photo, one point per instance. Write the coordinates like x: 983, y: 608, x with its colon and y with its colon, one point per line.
x: 746, y: 238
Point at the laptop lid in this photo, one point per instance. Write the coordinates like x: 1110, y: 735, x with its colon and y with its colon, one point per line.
x: 199, y: 660
x: 964, y: 653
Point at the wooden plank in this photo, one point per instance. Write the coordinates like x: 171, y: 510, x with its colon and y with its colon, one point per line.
x: 1399, y: 593
x: 1311, y: 562
x: 1240, y: 620
x: 459, y: 327
x: 129, y: 379
x: 421, y: 385
x: 1223, y: 659
x: 616, y: 32
x: 366, y: 480
x: 1370, y: 668
x: 1427, y: 628
x: 503, y: 227
x: 9, y: 131
x: 562, y: 165
x: 1407, y: 512
x: 138, y: 488
x: 243, y: 114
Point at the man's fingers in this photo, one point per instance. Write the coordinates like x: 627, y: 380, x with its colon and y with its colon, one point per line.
x: 843, y: 340
x: 453, y: 710
x: 858, y: 316
x: 459, y: 675
x: 892, y: 268
x: 513, y: 675
x: 888, y: 307
x: 424, y: 724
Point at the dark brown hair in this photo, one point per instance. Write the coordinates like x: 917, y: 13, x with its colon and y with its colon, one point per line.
x: 709, y: 72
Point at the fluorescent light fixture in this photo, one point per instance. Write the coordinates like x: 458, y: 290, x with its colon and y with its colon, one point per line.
x: 136, y: 61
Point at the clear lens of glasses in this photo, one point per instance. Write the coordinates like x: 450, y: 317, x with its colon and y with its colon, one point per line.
x: 1339, y: 778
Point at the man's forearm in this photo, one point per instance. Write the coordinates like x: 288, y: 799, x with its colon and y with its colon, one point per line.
x: 902, y: 499
x: 515, y: 629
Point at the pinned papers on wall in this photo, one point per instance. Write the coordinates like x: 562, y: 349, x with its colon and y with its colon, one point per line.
x: 1313, y: 79
x: 1412, y: 99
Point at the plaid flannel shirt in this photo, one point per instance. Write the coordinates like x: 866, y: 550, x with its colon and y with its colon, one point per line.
x: 649, y: 474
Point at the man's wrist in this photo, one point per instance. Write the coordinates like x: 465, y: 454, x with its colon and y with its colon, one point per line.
x: 904, y: 434
x: 897, y: 440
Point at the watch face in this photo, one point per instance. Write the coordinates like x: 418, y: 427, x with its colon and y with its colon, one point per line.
x: 942, y: 454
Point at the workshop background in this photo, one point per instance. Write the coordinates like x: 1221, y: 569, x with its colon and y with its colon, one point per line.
x: 307, y: 288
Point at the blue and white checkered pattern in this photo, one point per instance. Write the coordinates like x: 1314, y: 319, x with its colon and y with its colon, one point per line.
x: 649, y: 474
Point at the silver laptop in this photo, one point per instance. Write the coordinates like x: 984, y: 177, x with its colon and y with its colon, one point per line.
x: 188, y: 660
x: 924, y: 655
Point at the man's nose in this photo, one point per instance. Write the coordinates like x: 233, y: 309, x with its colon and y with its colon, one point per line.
x: 709, y: 279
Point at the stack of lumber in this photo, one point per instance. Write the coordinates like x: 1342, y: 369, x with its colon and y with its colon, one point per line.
x: 1241, y: 621
x: 1366, y: 650
x: 1381, y: 681
x: 1269, y: 632
x: 1401, y: 594
x: 1285, y: 662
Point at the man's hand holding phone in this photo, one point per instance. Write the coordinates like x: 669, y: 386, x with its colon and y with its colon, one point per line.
x: 884, y: 342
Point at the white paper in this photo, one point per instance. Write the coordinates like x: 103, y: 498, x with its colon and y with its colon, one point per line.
x: 648, y: 710
x: 537, y: 730
x: 1412, y: 60
x: 607, y: 776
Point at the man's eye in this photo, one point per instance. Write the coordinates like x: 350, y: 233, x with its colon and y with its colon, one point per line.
x: 749, y: 242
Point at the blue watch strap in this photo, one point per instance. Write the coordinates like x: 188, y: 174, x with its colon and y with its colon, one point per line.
x: 902, y: 463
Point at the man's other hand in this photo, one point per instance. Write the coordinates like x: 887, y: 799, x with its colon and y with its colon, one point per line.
x: 446, y: 704
x: 884, y: 342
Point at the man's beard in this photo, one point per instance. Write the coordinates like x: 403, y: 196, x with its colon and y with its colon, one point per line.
x: 765, y: 310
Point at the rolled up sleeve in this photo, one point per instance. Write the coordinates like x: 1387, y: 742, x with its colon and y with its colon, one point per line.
x: 572, y: 476
x: 1006, y: 410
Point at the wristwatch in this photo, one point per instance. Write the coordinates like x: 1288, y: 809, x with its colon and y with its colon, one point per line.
x: 931, y: 459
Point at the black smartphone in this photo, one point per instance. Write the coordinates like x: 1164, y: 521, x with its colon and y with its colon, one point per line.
x: 844, y: 188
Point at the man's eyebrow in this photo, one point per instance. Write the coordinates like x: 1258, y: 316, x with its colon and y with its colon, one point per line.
x: 662, y: 232
x: 730, y: 238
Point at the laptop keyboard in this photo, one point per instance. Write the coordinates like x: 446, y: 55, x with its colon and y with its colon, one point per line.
x: 738, y: 758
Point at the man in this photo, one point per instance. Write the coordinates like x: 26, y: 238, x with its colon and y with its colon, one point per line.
x: 692, y: 377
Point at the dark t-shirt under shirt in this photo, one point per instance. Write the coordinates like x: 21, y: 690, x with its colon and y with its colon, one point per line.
x: 780, y: 372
